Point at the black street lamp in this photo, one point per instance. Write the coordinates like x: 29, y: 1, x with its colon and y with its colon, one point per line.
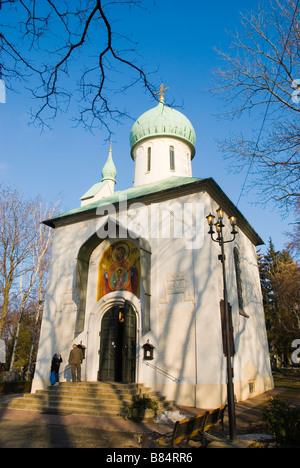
x: 226, y: 332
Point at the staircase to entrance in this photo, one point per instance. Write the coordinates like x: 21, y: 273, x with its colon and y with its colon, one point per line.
x: 84, y: 398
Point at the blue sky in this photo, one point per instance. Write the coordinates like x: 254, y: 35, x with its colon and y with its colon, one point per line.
x: 176, y: 40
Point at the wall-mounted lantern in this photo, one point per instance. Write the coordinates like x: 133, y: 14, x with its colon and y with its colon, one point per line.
x: 148, y: 351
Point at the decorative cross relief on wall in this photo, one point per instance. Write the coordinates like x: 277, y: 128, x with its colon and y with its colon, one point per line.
x: 176, y: 289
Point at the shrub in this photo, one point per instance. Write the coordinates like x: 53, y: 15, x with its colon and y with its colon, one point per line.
x: 15, y: 387
x: 283, y: 421
x: 141, y: 405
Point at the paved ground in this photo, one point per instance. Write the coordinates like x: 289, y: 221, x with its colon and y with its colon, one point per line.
x: 30, y: 429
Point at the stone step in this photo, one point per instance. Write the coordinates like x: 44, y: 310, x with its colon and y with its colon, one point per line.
x: 85, y: 400
x: 99, y: 387
x: 111, y: 391
x: 89, y: 398
x: 105, y: 402
x: 99, y: 393
x: 48, y: 399
x: 79, y: 387
x: 20, y: 404
x: 71, y: 406
x: 35, y: 403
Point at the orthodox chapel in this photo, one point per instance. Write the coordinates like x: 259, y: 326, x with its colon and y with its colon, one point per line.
x: 137, y: 280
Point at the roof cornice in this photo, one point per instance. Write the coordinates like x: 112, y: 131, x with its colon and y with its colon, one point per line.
x: 184, y: 187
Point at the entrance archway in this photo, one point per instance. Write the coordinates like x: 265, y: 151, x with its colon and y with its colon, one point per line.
x: 117, y: 361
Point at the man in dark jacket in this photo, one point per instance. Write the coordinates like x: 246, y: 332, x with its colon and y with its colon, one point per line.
x: 75, y: 361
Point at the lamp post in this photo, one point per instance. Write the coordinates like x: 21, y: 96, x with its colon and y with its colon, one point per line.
x: 226, y: 332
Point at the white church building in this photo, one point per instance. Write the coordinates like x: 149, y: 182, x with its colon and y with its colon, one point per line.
x: 136, y: 278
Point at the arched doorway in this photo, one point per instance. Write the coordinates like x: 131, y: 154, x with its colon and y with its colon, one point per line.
x: 117, y: 360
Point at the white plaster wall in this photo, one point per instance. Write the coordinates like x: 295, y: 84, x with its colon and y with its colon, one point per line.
x: 189, y: 333
x: 252, y: 359
x: 105, y: 191
x: 60, y: 310
x: 160, y: 160
x: 185, y: 313
x: 250, y: 334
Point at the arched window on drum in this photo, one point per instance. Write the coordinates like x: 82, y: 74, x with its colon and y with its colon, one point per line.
x: 172, y: 158
x: 149, y: 159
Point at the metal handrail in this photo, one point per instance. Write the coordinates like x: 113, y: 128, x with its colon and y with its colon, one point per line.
x: 161, y: 371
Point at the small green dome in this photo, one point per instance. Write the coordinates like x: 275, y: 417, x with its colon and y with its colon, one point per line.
x: 109, y: 170
x: 163, y: 121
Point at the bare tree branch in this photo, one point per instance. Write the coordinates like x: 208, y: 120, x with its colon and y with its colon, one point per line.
x: 262, y: 74
x: 44, y: 49
x: 37, y: 269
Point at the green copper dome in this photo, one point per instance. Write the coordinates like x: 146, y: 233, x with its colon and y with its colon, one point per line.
x: 163, y: 121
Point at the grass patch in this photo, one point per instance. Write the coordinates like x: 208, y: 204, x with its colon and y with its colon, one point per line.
x: 287, y: 379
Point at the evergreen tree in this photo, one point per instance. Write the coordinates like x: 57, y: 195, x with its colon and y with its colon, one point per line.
x: 280, y: 279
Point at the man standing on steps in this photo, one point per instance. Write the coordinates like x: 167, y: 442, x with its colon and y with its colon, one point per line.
x: 75, y: 361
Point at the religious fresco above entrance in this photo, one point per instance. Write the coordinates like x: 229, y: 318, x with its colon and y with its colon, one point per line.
x: 119, y: 269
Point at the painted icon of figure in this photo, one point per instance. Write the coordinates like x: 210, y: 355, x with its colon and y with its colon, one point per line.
x: 119, y: 279
x: 120, y: 269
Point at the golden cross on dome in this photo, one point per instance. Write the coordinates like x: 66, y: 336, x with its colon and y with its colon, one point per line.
x: 161, y: 92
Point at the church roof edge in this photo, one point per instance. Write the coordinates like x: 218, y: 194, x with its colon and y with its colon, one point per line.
x: 164, y: 186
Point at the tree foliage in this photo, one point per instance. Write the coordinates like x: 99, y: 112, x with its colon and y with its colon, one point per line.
x: 293, y: 245
x: 280, y: 278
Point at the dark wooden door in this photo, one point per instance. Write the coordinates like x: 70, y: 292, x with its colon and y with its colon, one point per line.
x: 108, y: 345
x: 118, y: 345
x: 129, y: 345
